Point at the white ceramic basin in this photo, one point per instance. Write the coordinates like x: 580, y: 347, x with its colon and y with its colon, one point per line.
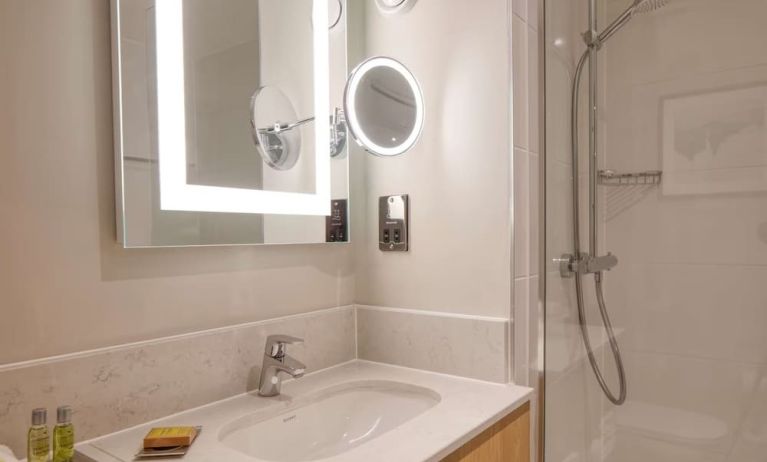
x: 328, y: 423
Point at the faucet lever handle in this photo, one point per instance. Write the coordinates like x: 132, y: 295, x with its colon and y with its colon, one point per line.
x: 275, y: 344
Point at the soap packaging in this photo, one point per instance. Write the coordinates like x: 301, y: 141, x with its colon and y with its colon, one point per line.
x: 168, y: 441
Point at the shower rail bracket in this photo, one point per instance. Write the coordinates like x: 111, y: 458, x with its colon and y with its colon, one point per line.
x: 569, y: 265
x: 592, y: 39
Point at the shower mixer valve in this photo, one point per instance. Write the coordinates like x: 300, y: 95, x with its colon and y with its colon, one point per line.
x: 569, y: 265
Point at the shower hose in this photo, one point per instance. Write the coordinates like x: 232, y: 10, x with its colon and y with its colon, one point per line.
x: 620, y: 398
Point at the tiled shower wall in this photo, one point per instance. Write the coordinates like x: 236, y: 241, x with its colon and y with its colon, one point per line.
x: 526, y: 195
x: 688, y: 296
x: 688, y: 87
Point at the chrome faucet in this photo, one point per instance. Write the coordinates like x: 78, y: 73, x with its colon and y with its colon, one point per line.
x: 276, y: 361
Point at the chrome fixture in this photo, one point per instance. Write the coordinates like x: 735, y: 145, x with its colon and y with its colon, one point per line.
x: 393, y: 223
x: 272, y: 144
x: 276, y: 141
x: 595, y: 40
x: 277, y: 361
x: 579, y: 263
x: 569, y: 267
x: 383, y: 111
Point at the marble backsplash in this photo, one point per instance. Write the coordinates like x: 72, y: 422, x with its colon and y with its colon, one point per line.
x: 469, y: 346
x: 115, y: 388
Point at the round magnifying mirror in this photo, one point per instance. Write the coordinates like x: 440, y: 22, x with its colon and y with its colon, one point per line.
x: 384, y: 107
x: 270, y: 110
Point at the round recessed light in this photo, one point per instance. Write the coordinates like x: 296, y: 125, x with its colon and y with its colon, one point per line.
x: 335, y: 12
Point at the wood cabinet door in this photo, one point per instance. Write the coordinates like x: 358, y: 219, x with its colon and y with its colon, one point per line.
x: 506, y: 441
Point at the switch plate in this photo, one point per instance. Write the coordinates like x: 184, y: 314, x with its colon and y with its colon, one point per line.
x: 336, y: 225
x: 393, y: 223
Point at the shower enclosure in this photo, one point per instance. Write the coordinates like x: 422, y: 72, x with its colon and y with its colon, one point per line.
x: 655, y: 305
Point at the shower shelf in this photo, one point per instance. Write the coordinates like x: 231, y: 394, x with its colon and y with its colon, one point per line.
x: 612, y: 178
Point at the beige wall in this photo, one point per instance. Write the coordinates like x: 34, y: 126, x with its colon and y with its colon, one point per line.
x: 67, y: 286
x: 65, y: 283
x: 457, y: 176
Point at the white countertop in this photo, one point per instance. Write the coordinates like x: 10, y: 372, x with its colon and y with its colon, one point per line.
x: 467, y: 407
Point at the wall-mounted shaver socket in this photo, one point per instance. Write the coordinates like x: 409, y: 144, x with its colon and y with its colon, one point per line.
x: 393, y: 218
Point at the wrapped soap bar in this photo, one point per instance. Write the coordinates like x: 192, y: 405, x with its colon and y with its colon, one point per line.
x: 170, y: 437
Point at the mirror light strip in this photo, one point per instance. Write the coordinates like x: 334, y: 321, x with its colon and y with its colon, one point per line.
x: 175, y: 193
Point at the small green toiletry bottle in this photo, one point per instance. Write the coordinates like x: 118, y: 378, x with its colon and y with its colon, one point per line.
x: 38, y: 442
x: 63, y: 435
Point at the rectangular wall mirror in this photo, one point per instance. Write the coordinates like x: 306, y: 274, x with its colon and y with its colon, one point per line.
x: 225, y: 122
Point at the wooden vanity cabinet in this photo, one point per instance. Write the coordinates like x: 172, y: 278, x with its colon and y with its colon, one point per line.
x: 508, y: 440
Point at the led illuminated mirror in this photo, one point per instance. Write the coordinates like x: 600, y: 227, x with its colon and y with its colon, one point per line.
x: 197, y: 162
x: 384, y: 107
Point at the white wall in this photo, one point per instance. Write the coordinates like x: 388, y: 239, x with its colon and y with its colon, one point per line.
x: 457, y: 176
x: 66, y: 284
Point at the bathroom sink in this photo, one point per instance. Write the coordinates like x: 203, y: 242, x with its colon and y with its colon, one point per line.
x: 329, y: 422
x: 355, y: 412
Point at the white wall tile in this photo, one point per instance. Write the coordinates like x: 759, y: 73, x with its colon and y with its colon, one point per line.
x: 575, y: 417
x: 633, y: 447
x: 751, y: 441
x: 533, y: 8
x: 519, y: 8
x: 533, y: 301
x: 520, y: 78
x: 690, y: 289
x: 535, y: 214
x: 704, y: 311
x: 533, y: 86
x: 521, y: 350
x: 716, y: 390
x: 521, y: 213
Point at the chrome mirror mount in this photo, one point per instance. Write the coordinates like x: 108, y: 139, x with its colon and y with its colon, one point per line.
x: 383, y: 111
x: 276, y: 149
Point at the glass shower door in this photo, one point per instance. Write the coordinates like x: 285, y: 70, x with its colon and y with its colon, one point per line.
x: 681, y: 200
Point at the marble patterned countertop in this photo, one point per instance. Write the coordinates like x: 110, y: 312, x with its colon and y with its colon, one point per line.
x: 467, y: 407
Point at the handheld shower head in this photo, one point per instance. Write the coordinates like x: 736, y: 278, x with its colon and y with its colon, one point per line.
x: 647, y: 6
x: 638, y: 7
